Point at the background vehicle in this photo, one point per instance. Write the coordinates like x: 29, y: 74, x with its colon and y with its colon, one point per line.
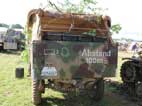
x: 131, y: 74
x: 12, y: 40
x: 70, y: 52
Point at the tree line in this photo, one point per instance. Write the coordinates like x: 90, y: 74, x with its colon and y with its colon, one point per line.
x: 13, y: 26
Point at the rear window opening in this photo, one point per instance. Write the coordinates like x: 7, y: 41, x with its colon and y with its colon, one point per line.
x: 71, y: 37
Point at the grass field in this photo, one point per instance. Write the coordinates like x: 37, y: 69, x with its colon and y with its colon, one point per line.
x: 17, y: 92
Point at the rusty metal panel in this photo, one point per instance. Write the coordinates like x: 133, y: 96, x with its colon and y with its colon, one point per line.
x: 69, y: 22
x: 73, y: 59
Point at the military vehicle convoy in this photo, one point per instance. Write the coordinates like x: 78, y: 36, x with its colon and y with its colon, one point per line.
x: 131, y: 74
x: 70, y: 52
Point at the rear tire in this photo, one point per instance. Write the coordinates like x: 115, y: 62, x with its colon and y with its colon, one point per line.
x: 98, y: 90
x: 1, y: 47
x: 128, y: 72
x: 36, y: 94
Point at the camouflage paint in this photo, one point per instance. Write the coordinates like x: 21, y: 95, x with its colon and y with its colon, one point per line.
x: 75, y: 60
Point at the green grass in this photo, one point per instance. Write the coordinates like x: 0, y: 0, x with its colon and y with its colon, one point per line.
x: 17, y: 92
x: 13, y: 91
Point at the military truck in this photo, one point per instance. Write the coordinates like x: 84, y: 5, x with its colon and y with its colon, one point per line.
x: 7, y: 43
x: 70, y: 52
x: 12, y: 40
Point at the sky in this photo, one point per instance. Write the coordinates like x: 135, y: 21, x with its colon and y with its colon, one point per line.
x: 127, y: 13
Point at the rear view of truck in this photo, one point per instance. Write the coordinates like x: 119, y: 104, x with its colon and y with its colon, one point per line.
x: 70, y: 52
